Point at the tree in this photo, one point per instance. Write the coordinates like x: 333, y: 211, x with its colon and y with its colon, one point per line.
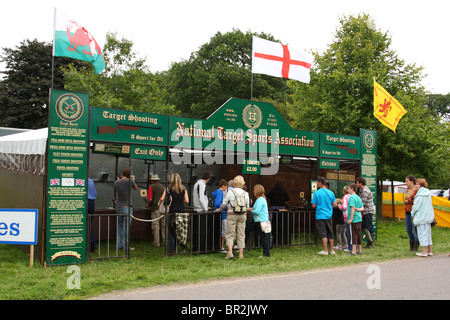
x: 126, y: 82
x: 440, y: 105
x: 120, y: 55
x: 219, y: 70
x: 24, y: 91
x: 339, y: 99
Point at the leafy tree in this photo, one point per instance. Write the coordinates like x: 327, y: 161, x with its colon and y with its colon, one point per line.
x: 440, y: 105
x: 219, y: 70
x: 340, y: 99
x: 25, y: 89
x: 126, y: 83
x: 120, y: 55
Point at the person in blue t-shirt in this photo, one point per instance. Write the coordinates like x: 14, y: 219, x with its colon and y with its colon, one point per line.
x: 260, y: 212
x: 219, y: 195
x: 355, y: 206
x: 324, y: 201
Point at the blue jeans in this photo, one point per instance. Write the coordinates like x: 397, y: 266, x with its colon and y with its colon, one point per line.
x: 122, y: 226
x: 91, y: 212
x: 410, y: 228
x: 367, y: 222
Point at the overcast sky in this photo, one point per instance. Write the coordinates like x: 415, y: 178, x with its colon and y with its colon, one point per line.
x: 167, y: 31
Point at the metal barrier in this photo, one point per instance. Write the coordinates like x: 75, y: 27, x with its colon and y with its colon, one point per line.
x: 291, y: 228
x: 106, y: 242
x: 203, y: 231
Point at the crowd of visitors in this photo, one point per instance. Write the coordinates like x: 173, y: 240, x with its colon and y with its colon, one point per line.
x: 350, y: 216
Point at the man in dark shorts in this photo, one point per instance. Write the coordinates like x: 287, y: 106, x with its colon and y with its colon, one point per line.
x: 323, y: 201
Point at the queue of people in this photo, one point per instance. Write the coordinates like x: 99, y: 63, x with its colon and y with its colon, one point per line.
x: 233, y: 202
x: 347, y: 213
x: 352, y: 215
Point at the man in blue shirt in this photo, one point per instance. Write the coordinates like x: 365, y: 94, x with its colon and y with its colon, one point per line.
x: 323, y: 201
x: 92, y: 195
x: 219, y: 195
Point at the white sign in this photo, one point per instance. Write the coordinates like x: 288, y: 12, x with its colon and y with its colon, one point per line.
x: 18, y: 226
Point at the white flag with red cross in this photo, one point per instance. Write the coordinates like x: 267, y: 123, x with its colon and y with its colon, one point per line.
x: 279, y: 60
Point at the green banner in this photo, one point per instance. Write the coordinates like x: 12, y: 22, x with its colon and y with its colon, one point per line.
x: 369, y: 164
x: 243, y: 125
x: 339, y: 146
x: 67, y: 179
x: 130, y: 127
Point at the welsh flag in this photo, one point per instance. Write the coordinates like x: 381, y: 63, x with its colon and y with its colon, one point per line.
x: 74, y: 41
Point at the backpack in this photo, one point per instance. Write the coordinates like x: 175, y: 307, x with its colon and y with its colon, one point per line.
x: 239, y: 205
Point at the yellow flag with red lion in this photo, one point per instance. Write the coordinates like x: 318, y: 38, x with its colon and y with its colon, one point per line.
x: 386, y: 108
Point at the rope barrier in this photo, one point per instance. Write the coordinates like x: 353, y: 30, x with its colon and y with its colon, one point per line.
x: 142, y: 220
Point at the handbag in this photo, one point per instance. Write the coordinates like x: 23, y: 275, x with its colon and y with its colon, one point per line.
x: 266, y: 227
x: 163, y: 208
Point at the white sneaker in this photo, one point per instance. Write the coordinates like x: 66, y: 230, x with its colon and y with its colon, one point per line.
x: 420, y: 254
x: 323, y: 253
x: 333, y: 252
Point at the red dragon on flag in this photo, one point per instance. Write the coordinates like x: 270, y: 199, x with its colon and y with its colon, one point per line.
x: 74, y: 41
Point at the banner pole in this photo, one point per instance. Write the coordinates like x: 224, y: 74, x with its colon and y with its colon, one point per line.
x: 53, y: 49
x: 31, y: 255
x: 251, y: 88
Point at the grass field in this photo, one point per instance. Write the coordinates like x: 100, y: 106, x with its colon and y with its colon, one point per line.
x: 148, y: 266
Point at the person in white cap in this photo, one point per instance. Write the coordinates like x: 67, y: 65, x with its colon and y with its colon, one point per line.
x: 154, y: 192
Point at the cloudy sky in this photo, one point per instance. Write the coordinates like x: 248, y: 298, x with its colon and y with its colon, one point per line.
x: 168, y: 31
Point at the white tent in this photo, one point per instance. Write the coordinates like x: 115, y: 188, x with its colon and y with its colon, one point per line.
x: 28, y: 142
x: 25, y: 151
x: 399, y: 187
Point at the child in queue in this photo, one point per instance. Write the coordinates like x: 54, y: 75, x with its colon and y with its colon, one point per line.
x: 355, y: 207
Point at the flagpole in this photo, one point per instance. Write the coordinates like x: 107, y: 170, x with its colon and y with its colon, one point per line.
x: 53, y: 70
x: 53, y: 49
x: 373, y: 110
x: 251, y: 88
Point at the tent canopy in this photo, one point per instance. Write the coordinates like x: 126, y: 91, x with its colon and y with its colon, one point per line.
x: 24, y: 152
x: 27, y: 143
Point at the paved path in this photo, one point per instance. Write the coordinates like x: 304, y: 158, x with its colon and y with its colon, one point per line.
x: 415, y: 278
